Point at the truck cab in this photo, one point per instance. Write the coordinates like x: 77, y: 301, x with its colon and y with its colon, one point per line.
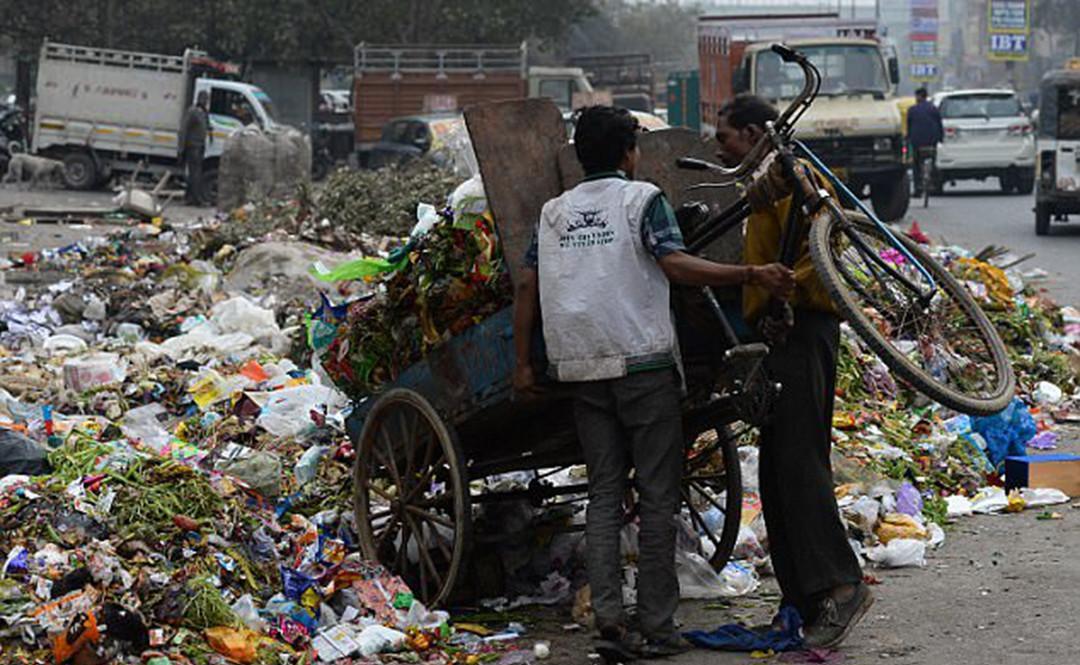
x: 854, y: 125
x: 562, y: 85
x: 233, y: 105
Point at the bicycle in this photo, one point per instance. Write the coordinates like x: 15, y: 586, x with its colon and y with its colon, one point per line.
x: 907, y: 308
x: 927, y: 156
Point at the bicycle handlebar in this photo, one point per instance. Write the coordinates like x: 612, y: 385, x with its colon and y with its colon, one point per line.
x: 783, y: 124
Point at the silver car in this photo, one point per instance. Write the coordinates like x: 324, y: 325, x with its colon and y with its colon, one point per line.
x: 987, y: 135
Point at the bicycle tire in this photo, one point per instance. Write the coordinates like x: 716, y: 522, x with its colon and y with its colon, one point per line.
x: 927, y: 179
x: 821, y: 251
x: 726, y: 445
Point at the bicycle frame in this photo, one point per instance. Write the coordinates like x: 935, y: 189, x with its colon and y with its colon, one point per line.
x: 779, y: 137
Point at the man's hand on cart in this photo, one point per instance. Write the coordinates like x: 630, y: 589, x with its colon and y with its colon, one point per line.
x: 525, y: 387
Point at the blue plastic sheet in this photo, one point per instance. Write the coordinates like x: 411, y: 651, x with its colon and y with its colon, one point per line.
x: 737, y: 637
x: 1005, y: 433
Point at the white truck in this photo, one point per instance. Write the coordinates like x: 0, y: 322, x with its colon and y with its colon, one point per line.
x: 104, y: 112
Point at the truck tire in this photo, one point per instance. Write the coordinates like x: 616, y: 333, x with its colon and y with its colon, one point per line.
x: 891, y: 199
x: 80, y: 171
x: 1042, y: 219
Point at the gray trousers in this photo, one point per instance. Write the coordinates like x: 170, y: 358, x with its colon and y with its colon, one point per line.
x: 193, y: 160
x: 633, y: 422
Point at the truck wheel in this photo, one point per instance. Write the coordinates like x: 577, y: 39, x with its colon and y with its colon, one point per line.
x: 891, y: 199
x: 1042, y: 219
x: 1025, y: 182
x: 80, y: 171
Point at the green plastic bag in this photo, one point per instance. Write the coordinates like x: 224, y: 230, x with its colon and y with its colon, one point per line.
x: 365, y: 268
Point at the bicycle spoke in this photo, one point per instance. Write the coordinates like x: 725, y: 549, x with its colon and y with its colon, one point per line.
x: 938, y: 331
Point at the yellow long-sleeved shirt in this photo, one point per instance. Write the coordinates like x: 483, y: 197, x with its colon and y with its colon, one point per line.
x: 762, y: 245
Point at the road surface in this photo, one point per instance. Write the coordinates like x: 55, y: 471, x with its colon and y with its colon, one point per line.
x: 977, y: 214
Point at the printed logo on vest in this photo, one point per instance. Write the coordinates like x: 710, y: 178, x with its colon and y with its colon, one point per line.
x: 589, y: 228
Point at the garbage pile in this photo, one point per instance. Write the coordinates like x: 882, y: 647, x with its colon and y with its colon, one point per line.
x: 257, y: 164
x: 445, y: 280
x: 173, y: 487
x: 905, y: 466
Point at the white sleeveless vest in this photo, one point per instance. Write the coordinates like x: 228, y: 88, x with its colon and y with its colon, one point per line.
x: 605, y: 302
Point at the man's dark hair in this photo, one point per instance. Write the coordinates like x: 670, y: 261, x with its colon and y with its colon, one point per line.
x: 602, y: 137
x: 922, y: 93
x: 747, y: 109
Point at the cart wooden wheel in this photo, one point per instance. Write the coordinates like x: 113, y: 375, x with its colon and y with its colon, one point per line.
x: 412, y: 505
x: 711, y: 470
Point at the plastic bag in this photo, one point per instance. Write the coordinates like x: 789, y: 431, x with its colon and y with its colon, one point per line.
x: 144, y: 424
x: 1047, y: 393
x: 935, y: 536
x: 261, y: 470
x: 239, y: 645
x: 899, y: 553
x: 1044, y: 441
x: 240, y: 315
x: 698, y: 580
x: 1005, y: 432
x: 376, y: 639
x: 908, y: 500
x: 748, y: 463
x: 1036, y: 497
x: 958, y: 506
x: 93, y: 371
x: 989, y: 500
x: 308, y: 464
x: 64, y: 344
x: 245, y: 610
x: 361, y: 269
x: 897, y: 526
x: 21, y: 455
x: 863, y: 514
x: 288, y: 412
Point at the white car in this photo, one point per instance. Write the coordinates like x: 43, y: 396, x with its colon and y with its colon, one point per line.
x: 987, y: 135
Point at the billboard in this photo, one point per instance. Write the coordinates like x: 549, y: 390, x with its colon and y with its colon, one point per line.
x: 923, y: 38
x: 1008, y: 28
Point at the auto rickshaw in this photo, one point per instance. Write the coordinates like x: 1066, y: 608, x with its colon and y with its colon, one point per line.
x: 1058, y: 144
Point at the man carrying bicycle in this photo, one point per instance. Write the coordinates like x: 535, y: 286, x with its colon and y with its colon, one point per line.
x: 814, y: 565
x: 925, y: 131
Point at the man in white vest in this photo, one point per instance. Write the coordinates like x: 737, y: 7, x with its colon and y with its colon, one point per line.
x: 599, y: 272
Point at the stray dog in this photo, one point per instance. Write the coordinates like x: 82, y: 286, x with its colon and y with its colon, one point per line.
x: 33, y: 170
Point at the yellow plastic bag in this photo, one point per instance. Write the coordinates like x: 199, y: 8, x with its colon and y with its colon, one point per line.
x: 899, y: 525
x: 239, y: 645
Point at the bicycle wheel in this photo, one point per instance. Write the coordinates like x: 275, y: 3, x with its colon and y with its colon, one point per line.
x: 945, y: 347
x: 927, y: 179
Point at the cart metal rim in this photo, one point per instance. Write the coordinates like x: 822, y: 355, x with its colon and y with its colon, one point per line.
x: 411, y: 490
